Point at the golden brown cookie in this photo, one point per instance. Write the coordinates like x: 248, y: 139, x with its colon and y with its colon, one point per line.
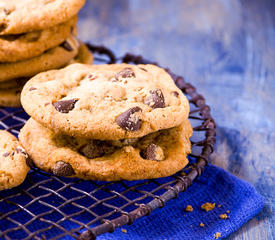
x: 10, y: 91
x: 13, y: 161
x: 14, y: 48
x: 51, y: 59
x: 156, y: 155
x: 21, y: 16
x: 106, y: 102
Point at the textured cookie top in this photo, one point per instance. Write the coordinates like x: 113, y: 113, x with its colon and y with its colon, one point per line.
x: 158, y: 154
x: 105, y: 101
x: 14, y: 48
x: 13, y: 161
x: 20, y: 16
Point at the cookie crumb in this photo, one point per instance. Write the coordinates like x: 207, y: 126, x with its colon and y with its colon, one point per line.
x: 202, y: 225
x: 228, y: 211
x: 223, y: 216
x: 208, y: 206
x: 123, y: 230
x: 189, y: 208
x: 219, y: 205
x: 217, y: 235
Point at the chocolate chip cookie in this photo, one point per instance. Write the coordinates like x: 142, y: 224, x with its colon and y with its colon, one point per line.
x: 51, y: 59
x: 19, y: 47
x: 10, y: 91
x: 13, y: 161
x: 106, y: 102
x: 21, y: 16
x: 158, y: 154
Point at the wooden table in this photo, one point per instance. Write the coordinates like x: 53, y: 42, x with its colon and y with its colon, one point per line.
x: 226, y: 48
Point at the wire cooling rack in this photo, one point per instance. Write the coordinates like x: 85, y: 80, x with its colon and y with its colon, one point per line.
x: 50, y: 207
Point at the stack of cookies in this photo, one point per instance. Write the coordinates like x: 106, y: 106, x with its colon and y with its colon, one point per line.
x: 106, y: 122
x: 36, y: 36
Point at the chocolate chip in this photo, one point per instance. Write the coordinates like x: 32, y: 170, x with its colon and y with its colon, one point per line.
x: 175, y: 93
x: 155, y: 99
x: 130, y: 120
x: 65, y: 106
x: 143, y: 69
x: 125, y: 73
x: 6, y: 154
x: 3, y: 26
x: 20, y: 150
x: 63, y: 169
x: 153, y: 152
x: 32, y: 88
x: 96, y: 149
x: 67, y: 46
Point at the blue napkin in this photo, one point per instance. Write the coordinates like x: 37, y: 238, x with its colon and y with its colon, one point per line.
x: 173, y: 222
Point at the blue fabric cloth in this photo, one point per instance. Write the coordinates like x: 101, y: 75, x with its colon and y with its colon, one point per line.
x: 173, y: 222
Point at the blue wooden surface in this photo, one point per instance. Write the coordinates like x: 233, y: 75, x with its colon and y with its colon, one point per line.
x: 226, y: 48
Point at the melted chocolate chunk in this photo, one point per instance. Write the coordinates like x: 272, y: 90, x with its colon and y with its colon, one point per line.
x: 3, y: 26
x: 65, y: 106
x: 32, y: 88
x: 125, y: 73
x: 63, y: 169
x: 96, y: 149
x: 175, y: 93
x: 6, y: 154
x: 155, y: 99
x: 130, y: 120
x: 153, y: 152
x: 67, y: 46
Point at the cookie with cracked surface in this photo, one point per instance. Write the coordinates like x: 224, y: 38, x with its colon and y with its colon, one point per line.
x: 31, y: 15
x: 106, y: 102
x: 13, y: 161
x: 53, y: 58
x: 14, y: 48
x: 158, y: 154
x: 10, y: 91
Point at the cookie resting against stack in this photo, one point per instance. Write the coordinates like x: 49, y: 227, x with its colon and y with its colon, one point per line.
x: 106, y: 122
x: 14, y: 161
x: 36, y: 36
